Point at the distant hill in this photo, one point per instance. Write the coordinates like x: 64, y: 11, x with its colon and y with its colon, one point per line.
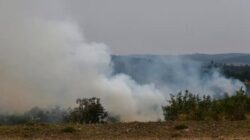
x: 230, y: 58
x: 138, y: 66
x: 162, y: 68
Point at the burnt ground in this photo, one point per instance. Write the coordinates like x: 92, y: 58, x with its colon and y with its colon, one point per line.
x: 133, y: 130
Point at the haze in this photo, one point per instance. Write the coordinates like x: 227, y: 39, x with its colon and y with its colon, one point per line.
x: 166, y: 26
x: 157, y: 26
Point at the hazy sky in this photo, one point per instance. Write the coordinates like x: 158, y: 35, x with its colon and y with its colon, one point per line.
x: 158, y: 26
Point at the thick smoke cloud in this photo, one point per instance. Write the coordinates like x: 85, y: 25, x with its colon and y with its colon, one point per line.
x: 46, y: 61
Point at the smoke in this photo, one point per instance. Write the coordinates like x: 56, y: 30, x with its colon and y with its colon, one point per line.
x: 46, y: 61
x: 172, y: 74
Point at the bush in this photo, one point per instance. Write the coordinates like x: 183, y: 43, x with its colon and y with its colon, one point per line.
x: 89, y: 110
x: 193, y: 107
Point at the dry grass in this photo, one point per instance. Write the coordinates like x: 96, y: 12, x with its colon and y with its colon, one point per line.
x: 134, y: 131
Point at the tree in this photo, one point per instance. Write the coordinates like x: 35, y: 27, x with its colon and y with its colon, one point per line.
x: 89, y: 110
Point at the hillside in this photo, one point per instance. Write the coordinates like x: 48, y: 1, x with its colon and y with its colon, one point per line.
x: 230, y: 58
x: 233, y: 58
x: 169, y: 69
x: 161, y: 67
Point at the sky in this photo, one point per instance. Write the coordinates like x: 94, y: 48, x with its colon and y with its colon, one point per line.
x: 156, y: 26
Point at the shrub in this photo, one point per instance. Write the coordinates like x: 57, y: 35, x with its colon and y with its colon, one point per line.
x: 89, y: 110
x: 193, y: 107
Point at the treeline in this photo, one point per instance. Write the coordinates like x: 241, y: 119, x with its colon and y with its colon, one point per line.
x: 188, y: 106
x: 241, y: 72
x: 182, y: 106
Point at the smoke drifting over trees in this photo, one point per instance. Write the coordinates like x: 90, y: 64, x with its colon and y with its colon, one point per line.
x: 47, y: 61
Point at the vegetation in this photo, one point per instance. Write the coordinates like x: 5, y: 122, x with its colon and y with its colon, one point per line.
x: 182, y: 107
x: 35, y: 115
x: 188, y: 106
x: 89, y: 110
x: 241, y: 72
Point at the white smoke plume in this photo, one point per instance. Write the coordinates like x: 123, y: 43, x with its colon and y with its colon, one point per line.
x: 46, y: 61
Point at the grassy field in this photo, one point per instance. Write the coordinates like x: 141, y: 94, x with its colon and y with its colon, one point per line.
x: 134, y: 130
